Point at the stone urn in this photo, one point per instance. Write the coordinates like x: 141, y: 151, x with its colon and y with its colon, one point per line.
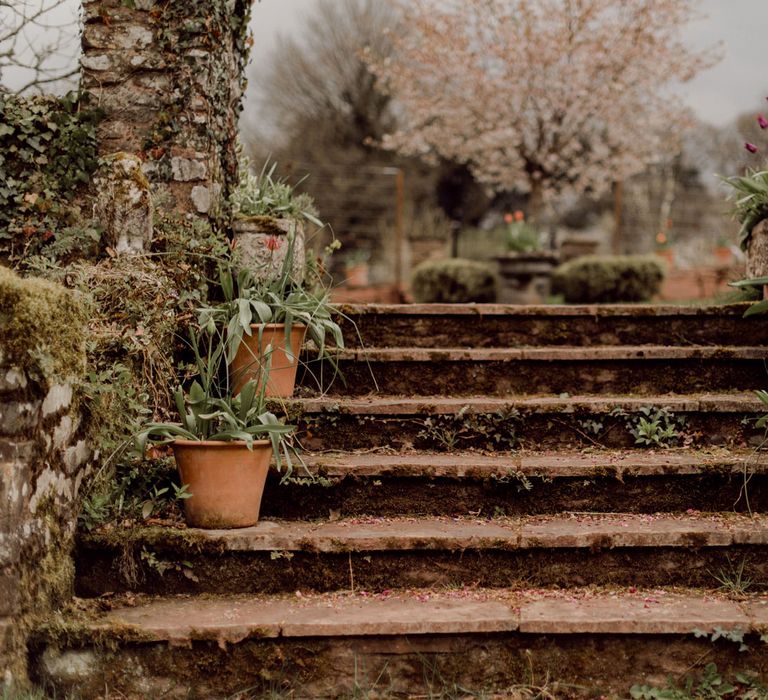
x: 757, y: 254
x: 526, y: 278
x: 264, y: 243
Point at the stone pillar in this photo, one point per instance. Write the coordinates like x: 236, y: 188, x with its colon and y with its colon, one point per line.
x: 169, y: 78
x: 757, y: 254
x: 43, y: 458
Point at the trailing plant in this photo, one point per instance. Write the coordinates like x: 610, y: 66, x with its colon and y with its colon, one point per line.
x: 48, y: 153
x: 269, y: 196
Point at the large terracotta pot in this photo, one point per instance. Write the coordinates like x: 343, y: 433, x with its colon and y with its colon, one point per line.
x: 250, y: 359
x: 226, y: 481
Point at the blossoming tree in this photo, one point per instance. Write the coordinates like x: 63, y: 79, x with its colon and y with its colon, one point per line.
x: 541, y: 96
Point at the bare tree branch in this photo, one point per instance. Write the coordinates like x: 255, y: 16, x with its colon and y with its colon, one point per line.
x: 39, y: 44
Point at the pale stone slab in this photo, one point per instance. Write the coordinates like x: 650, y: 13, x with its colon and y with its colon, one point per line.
x: 757, y: 611
x: 657, y: 613
x: 233, y: 620
x: 446, y: 534
x: 357, y: 536
x: 742, y: 402
x: 556, y: 464
x: 631, y: 531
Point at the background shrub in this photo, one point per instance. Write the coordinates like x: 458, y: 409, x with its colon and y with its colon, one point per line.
x: 609, y: 279
x: 453, y: 281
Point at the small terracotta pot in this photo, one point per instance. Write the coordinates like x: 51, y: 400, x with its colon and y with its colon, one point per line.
x: 723, y: 254
x: 667, y: 254
x: 250, y: 359
x: 226, y: 481
x: 357, y: 275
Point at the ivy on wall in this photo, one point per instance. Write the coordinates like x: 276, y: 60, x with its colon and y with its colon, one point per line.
x: 48, y: 152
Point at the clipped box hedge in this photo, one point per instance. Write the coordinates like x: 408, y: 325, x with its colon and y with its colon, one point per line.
x: 603, y: 279
x: 453, y: 281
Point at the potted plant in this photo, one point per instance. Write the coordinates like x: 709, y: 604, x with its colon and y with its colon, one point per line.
x: 526, y: 270
x: 356, y: 269
x: 724, y: 251
x: 222, y: 443
x: 266, y: 323
x: 664, y: 249
x: 267, y: 212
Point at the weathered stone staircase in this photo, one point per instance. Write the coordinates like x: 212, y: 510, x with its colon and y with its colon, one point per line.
x: 483, y: 519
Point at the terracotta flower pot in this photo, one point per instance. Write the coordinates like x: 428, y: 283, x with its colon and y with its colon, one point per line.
x: 226, y: 481
x: 723, y: 255
x: 250, y: 359
x: 357, y: 275
x: 667, y: 254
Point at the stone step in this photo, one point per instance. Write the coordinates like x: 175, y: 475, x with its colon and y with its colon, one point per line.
x: 418, y: 643
x: 493, y: 325
x: 376, y: 554
x: 519, y: 483
x: 533, y: 422
x: 635, y: 369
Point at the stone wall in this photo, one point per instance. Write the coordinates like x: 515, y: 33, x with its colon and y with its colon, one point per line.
x: 169, y: 77
x: 43, y: 456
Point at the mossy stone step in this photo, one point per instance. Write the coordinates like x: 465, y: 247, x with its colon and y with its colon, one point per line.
x: 495, y: 325
x: 532, y: 422
x: 636, y: 369
x: 400, y: 643
x: 519, y: 483
x: 384, y: 553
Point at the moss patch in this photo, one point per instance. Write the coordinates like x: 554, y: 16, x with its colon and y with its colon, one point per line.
x: 42, y: 327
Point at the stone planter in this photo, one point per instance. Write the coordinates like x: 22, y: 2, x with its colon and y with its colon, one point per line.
x: 264, y: 242
x: 526, y: 278
x: 757, y: 254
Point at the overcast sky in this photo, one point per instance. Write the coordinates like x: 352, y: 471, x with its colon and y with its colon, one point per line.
x: 735, y: 85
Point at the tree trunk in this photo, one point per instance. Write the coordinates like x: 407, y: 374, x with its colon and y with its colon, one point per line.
x: 535, y: 202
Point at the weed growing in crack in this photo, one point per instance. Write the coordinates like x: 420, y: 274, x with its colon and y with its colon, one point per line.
x: 656, y: 427
x: 490, y: 431
x: 735, y: 635
x: 162, y: 566
x: 732, y: 579
x: 514, y: 477
x: 711, y: 684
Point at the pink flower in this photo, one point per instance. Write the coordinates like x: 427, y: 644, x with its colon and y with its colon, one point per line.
x: 273, y: 243
x: 751, y: 147
x: 762, y: 121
